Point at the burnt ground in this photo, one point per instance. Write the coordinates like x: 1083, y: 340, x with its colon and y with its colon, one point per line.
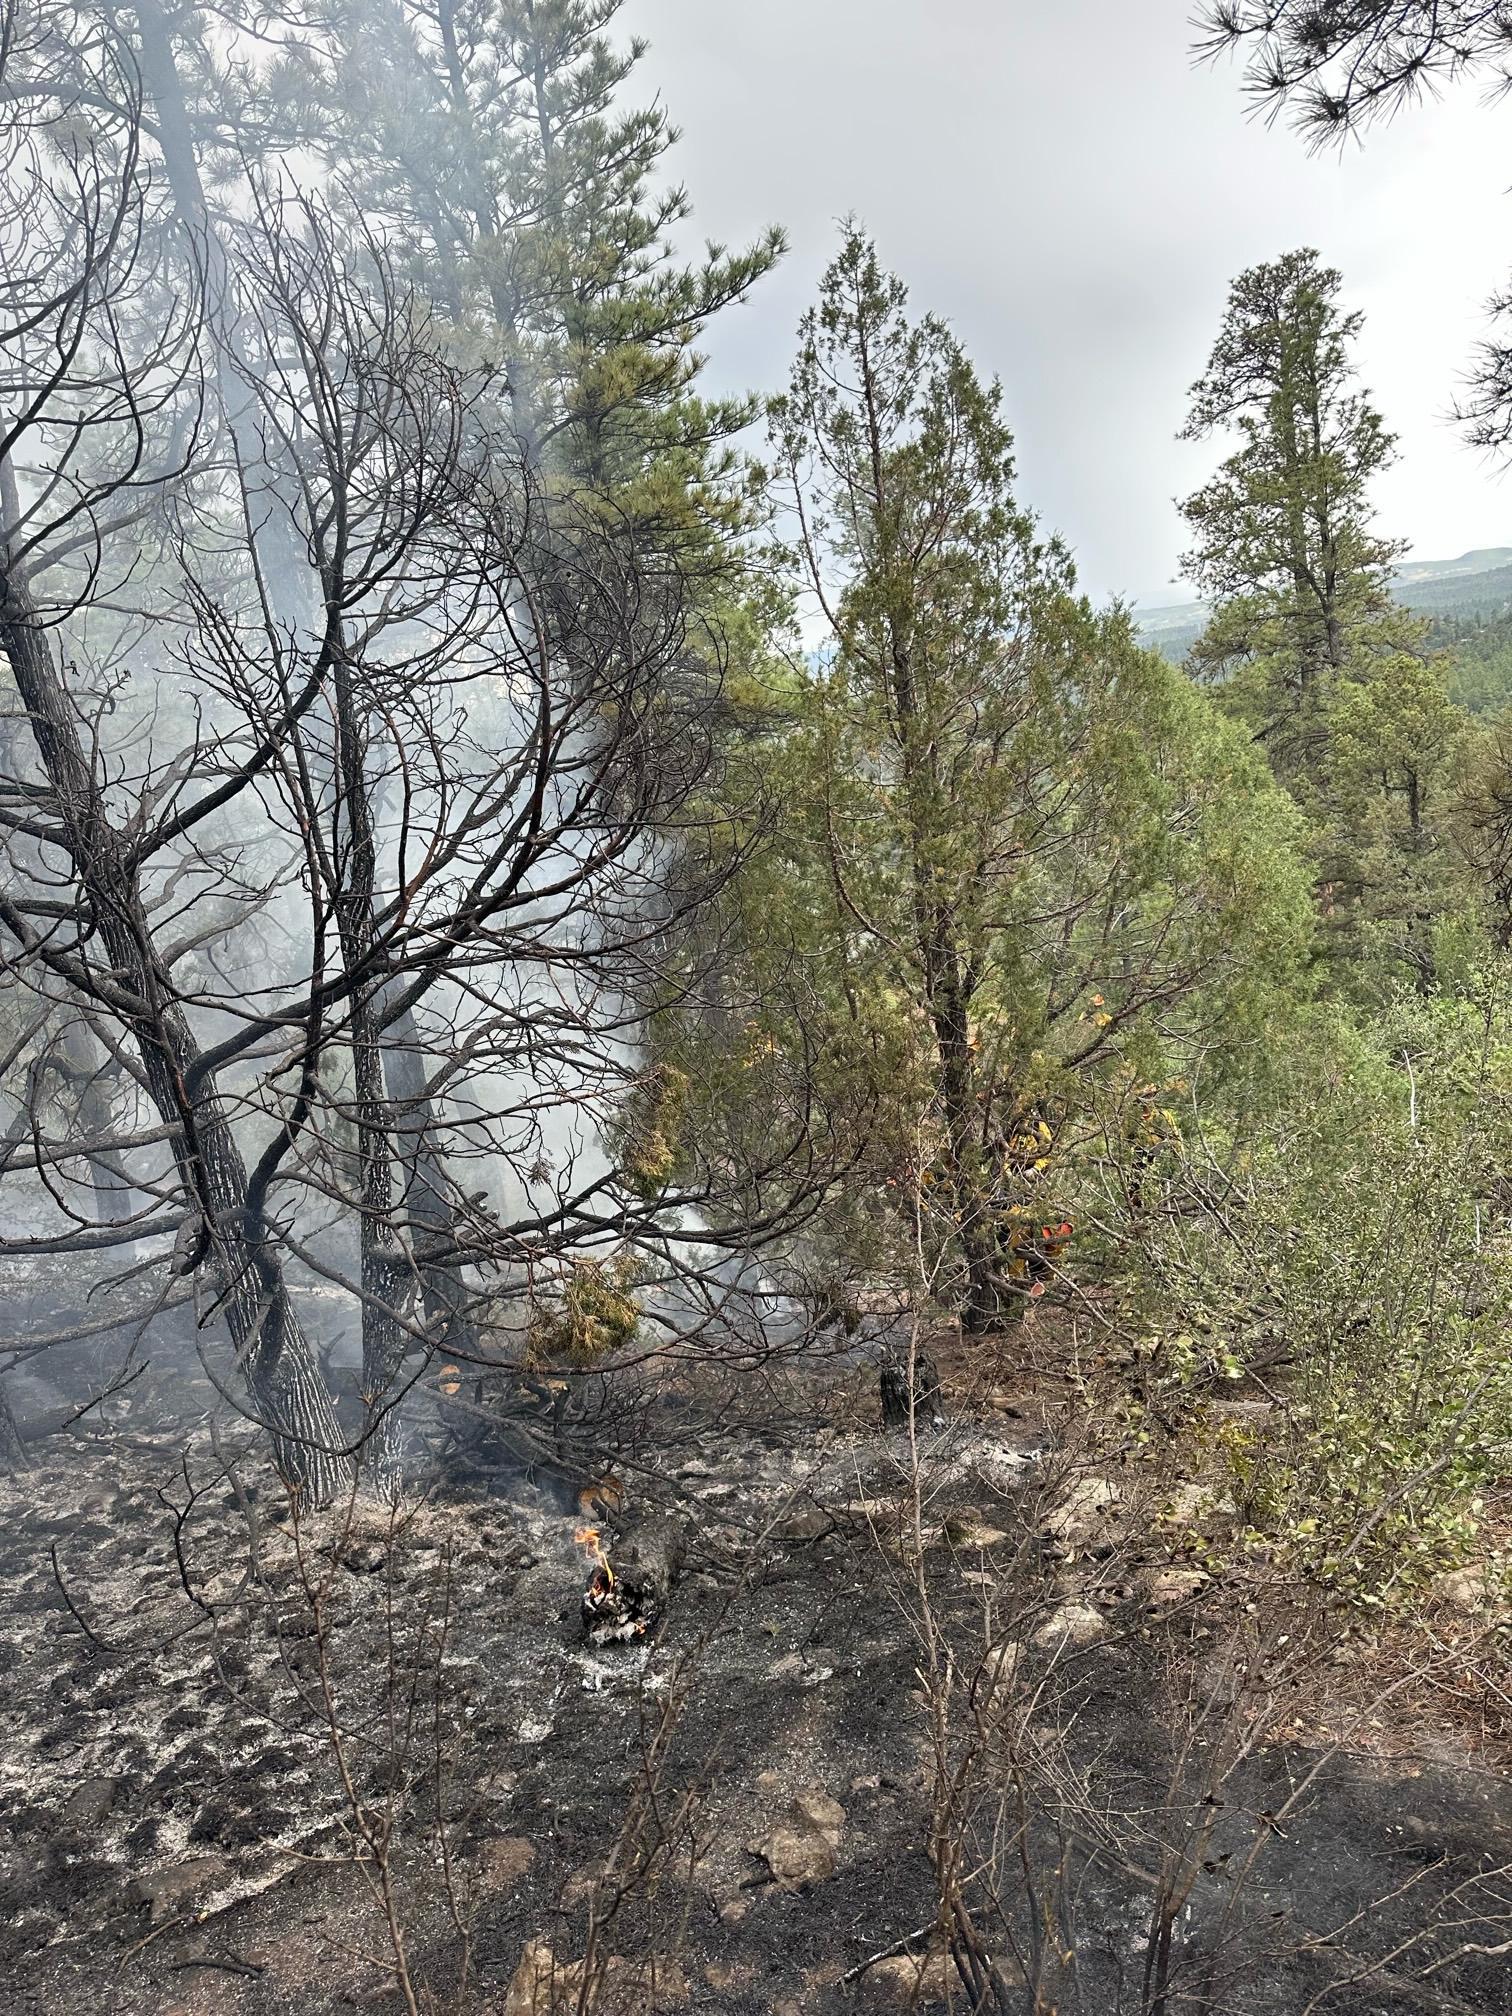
x: 228, y: 1736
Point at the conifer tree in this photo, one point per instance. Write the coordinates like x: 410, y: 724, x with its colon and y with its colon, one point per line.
x: 1284, y: 545
x: 1305, y: 641
x: 1003, y: 842
x: 1340, y: 65
x: 493, y: 134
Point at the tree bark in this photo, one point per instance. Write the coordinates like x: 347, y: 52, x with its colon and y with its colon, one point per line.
x: 12, y: 1451
x: 80, y: 1058
x: 428, y: 1209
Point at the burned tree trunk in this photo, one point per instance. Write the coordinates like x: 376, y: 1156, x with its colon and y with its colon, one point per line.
x: 910, y: 1387
x: 382, y: 1263
x: 391, y: 1093
x: 88, y: 1082
x: 289, y: 1395
x: 428, y: 1209
x: 626, y: 1597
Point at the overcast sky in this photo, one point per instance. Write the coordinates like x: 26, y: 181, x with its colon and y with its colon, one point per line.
x: 1058, y: 179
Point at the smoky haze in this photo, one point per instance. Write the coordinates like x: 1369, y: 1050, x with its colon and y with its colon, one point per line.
x: 1075, y: 194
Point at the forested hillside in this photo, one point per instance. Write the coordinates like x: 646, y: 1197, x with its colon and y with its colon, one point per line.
x: 1462, y: 599
x: 752, y: 1263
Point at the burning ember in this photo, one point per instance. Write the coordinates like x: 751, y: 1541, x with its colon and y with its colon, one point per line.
x: 606, y: 1617
x: 603, y: 1574
x: 626, y: 1599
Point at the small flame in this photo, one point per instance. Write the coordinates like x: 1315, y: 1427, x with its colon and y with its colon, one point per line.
x: 590, y: 1537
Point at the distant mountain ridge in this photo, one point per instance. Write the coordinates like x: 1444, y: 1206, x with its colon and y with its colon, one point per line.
x: 1477, y: 583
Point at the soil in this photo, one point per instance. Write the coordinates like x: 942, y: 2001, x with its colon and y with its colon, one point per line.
x: 231, y: 1739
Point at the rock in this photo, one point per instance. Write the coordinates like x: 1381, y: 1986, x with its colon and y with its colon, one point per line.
x: 294, y: 1620
x: 798, y: 1855
x: 794, y: 1666
x: 542, y: 1985
x: 1195, y: 1505
x: 800, y: 1848
x: 968, y: 1530
x: 538, y: 1986
x: 724, y: 1978
x: 88, y: 1804
x: 504, y: 1861
x: 167, y: 1891
x: 827, y: 1815
x: 363, y: 1557
x: 1466, y: 1589
x: 1003, y: 1468
x: 906, y: 1981
x: 1085, y: 1509
x: 998, y: 1669
x: 581, y: 1885
x: 1070, y: 1627
x: 1169, y: 1586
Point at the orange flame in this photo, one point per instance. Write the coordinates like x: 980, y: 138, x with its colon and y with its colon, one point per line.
x: 589, y: 1537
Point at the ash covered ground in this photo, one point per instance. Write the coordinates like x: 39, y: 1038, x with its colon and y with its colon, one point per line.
x: 246, y: 1758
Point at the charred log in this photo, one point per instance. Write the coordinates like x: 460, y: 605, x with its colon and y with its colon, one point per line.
x: 627, y: 1593
x: 12, y: 1454
x: 910, y: 1387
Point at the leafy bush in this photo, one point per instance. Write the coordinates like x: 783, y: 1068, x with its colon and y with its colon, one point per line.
x: 1352, y: 1256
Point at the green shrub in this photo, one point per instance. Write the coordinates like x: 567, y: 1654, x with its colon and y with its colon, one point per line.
x: 593, y: 1314
x: 1352, y: 1256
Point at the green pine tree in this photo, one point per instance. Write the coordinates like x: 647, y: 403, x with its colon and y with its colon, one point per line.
x: 1008, y: 841
x: 1305, y: 642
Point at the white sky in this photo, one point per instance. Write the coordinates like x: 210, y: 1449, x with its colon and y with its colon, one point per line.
x: 1057, y: 179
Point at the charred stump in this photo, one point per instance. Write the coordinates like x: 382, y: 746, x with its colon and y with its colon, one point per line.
x: 626, y: 1597
x: 902, y: 1397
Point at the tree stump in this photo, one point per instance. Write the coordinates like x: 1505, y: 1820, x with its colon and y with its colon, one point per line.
x: 898, y: 1402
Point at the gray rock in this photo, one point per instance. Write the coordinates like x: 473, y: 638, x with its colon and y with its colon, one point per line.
x: 168, y: 1891
x: 1463, y: 1589
x: 1073, y: 1625
x: 89, y: 1802
x: 1086, y: 1509
x: 1169, y: 1586
x: 364, y: 1557
x: 998, y: 1670
x: 903, y: 1981
x: 801, y: 1846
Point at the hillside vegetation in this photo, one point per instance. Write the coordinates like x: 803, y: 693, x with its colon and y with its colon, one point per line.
x: 744, y: 1265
